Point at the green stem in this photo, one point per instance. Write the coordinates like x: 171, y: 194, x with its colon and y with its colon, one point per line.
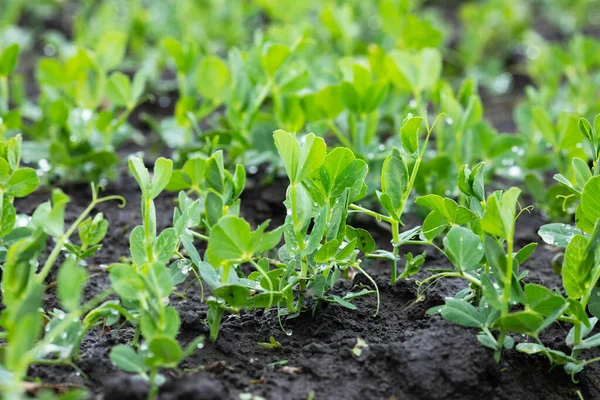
x: 338, y: 134
x: 149, y: 232
x: 508, y: 274
x: 374, y: 284
x: 376, y: 215
x: 451, y: 275
x: 199, y: 235
x: 63, y: 238
x: 506, y: 293
x: 153, y: 386
x: 395, y: 240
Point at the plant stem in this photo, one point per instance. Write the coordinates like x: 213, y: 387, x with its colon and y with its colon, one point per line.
x: 374, y: 214
x: 507, y: 289
x: 199, y: 235
x: 374, y: 284
x: 149, y: 232
x: 63, y: 238
x: 395, y: 240
x: 153, y: 393
x: 338, y: 134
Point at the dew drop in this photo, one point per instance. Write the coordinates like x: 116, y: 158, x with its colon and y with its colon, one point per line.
x: 86, y: 115
x: 289, y: 212
x: 253, y: 169
x: 49, y: 50
x: 449, y: 121
x: 200, y: 345
x: 289, y: 332
x: 412, y: 103
x: 164, y: 101
x: 63, y: 335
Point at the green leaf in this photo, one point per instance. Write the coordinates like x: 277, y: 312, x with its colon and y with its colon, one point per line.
x: 9, y: 59
x: 92, y: 231
x: 126, y: 281
x: 22, y: 182
x: 8, y: 217
x: 213, y: 79
x: 557, y: 357
x: 230, y: 242
x: 162, y: 174
x: 50, y: 215
x: 525, y: 252
x: 496, y: 259
x: 137, y: 246
x: 118, y: 89
x: 364, y: 240
x: 582, y: 173
x: 542, y: 299
x: 273, y: 56
x: 594, y: 303
x: 20, y: 266
x: 575, y: 269
x: 127, y: 359
x: 340, y: 170
x: 579, y: 261
x: 464, y: 248
x: 589, y: 343
x: 586, y: 129
x: 235, y: 295
x: 588, y: 211
x: 409, y: 133
x: 499, y: 216
x: 394, y: 179
x: 544, y: 125
x: 71, y: 281
x: 166, y: 352
x: 557, y: 234
x: 434, y: 224
x: 523, y: 322
x: 110, y: 49
x: 140, y: 173
x: 460, y: 312
x: 165, y: 245
x: 300, y: 163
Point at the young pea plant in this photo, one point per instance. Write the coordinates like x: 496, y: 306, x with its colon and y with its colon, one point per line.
x: 478, y: 255
x: 84, y: 111
x: 242, y: 85
x: 319, y: 246
x: 396, y: 186
x: 145, y: 285
x: 574, y: 175
x: 357, y: 94
x: 580, y: 272
x: 24, y: 284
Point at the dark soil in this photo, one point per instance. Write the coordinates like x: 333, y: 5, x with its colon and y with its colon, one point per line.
x: 409, y: 355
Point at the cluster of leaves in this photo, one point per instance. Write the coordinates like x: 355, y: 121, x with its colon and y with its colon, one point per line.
x: 31, y: 333
x: 480, y: 246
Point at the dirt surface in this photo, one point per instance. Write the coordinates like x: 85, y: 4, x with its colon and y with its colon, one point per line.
x: 409, y: 355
